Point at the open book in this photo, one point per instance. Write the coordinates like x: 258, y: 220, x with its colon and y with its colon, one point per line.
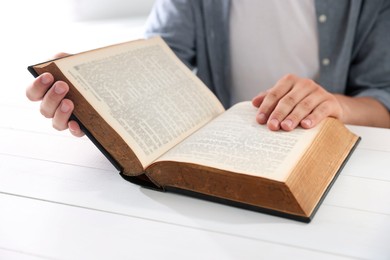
x: 162, y: 127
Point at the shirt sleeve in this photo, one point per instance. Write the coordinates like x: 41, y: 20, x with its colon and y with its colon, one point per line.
x: 173, y: 20
x: 369, y: 74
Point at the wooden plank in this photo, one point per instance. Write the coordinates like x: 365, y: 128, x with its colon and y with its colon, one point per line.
x: 26, y: 117
x: 10, y: 254
x: 360, y: 194
x: 373, y: 138
x: 369, y: 164
x: 64, y: 149
x: 50, y: 178
x: 62, y: 232
x: 344, y: 225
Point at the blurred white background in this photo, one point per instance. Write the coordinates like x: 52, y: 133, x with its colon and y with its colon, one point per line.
x: 64, y: 25
x: 32, y: 31
x: 93, y: 9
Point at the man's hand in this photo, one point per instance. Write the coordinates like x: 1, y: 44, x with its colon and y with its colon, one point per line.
x: 295, y: 101
x: 54, y: 105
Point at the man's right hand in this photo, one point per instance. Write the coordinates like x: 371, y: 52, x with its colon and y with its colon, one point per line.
x: 54, y: 105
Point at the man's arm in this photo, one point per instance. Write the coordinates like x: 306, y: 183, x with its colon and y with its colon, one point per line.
x: 364, y: 111
x: 297, y: 101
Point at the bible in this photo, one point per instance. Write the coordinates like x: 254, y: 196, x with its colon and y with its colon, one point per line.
x: 162, y: 128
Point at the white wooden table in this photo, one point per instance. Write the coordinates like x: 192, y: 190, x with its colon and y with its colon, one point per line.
x: 61, y: 199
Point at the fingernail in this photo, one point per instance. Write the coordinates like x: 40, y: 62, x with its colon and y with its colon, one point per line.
x: 72, y: 129
x: 306, y: 122
x: 274, y: 123
x: 45, y: 79
x: 64, y: 108
x: 287, y: 123
x: 261, y: 118
x: 59, y: 89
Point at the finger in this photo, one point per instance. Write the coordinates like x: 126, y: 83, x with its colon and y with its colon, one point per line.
x: 289, y: 112
x: 314, y: 118
x: 61, y: 55
x: 75, y: 129
x: 36, y: 91
x: 302, y: 110
x: 285, y: 115
x: 257, y: 100
x: 272, y: 97
x: 53, y: 98
x: 62, y: 115
x: 325, y: 109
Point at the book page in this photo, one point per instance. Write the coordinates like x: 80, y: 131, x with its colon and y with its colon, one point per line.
x: 234, y: 141
x: 144, y: 92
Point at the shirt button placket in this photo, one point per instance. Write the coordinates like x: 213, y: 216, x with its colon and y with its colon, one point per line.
x: 322, y: 19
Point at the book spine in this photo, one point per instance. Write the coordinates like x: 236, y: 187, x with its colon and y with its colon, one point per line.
x: 97, y: 144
